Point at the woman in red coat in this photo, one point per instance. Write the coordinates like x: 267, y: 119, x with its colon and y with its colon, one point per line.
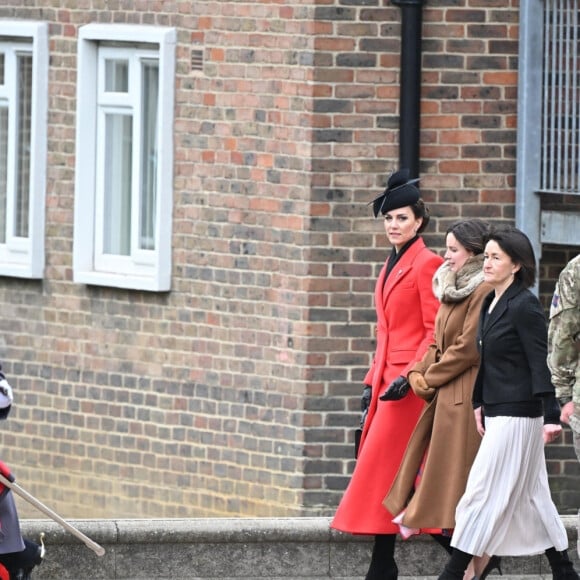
x: 406, y: 309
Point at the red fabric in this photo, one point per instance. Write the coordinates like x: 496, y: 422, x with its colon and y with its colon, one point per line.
x: 4, y: 575
x: 406, y: 310
x: 5, y: 471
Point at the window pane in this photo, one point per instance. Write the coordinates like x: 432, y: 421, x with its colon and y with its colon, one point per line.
x: 117, y: 194
x: 561, y: 95
x: 150, y: 94
x: 116, y: 76
x: 3, y: 170
x: 23, y: 150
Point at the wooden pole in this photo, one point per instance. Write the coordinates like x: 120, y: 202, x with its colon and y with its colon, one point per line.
x: 98, y: 550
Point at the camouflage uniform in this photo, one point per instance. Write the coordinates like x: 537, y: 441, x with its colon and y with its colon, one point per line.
x: 564, y: 340
x: 564, y: 345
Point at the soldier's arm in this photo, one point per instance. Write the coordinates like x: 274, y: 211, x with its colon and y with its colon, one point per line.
x: 563, y: 335
x: 563, y: 352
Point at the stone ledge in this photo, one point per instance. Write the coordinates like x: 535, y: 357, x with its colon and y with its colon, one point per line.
x: 228, y: 548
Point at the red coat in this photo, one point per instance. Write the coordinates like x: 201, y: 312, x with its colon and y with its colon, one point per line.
x: 406, y: 310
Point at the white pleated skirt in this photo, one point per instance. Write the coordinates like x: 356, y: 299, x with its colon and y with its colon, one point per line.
x: 507, y: 509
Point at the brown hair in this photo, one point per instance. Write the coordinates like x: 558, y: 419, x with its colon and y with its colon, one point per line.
x: 420, y: 210
x: 471, y: 234
x: 519, y: 248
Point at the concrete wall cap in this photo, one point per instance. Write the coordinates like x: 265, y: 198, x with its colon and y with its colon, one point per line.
x: 203, y: 530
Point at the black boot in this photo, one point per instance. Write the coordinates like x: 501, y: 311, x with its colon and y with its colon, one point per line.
x: 383, y: 566
x: 21, y: 564
x: 562, y: 568
x: 455, y: 568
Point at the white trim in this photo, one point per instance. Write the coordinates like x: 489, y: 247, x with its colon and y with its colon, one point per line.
x: 24, y: 257
x: 154, y: 272
x: 117, y: 280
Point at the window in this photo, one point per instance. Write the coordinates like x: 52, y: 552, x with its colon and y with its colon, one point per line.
x: 23, y: 114
x: 548, y: 148
x: 561, y: 98
x: 124, y: 183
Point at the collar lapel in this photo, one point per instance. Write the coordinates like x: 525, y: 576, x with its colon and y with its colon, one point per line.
x: 501, y: 307
x: 400, y: 270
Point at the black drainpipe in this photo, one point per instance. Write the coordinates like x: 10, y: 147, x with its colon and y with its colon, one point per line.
x: 410, y: 93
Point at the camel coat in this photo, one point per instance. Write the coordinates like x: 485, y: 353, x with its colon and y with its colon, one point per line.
x: 406, y: 309
x: 446, y: 426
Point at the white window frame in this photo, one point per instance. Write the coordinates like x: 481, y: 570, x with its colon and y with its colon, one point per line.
x: 23, y: 257
x: 143, y: 269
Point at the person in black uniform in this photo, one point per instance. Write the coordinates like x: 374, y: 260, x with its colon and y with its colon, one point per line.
x: 18, y: 556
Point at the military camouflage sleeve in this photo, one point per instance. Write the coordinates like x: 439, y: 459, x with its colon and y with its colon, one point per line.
x: 564, y: 332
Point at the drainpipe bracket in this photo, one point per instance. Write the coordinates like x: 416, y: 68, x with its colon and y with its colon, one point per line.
x: 408, y: 2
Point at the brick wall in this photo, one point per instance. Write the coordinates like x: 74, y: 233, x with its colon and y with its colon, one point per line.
x: 237, y: 391
x: 186, y: 403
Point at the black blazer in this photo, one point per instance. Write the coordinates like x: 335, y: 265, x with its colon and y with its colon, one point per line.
x: 513, y: 344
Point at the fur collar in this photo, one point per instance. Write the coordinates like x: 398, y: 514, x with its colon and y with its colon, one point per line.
x: 449, y: 286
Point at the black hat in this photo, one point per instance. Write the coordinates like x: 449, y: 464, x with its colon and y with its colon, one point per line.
x: 400, y: 192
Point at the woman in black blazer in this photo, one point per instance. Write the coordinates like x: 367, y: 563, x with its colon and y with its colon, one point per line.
x: 507, y: 508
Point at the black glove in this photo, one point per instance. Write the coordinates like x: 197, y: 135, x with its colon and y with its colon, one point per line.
x: 397, y: 390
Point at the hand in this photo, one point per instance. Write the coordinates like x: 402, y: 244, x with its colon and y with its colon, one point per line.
x: 6, y: 396
x: 420, y: 386
x: 551, y: 432
x: 566, y: 412
x: 396, y: 391
x: 479, y: 421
